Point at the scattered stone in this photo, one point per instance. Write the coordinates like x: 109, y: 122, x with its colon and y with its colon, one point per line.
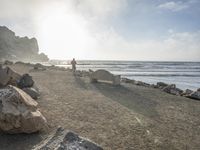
x: 18, y: 112
x: 104, y: 75
x: 195, y: 95
x: 161, y: 85
x: 32, y: 92
x: 67, y: 140
x: 25, y: 81
x: 171, y: 89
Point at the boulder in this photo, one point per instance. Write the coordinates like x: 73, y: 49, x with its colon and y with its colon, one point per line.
x: 195, y: 95
x: 104, y: 75
x: 8, y: 76
x: 32, y: 92
x: 18, y: 112
x: 66, y: 140
x: 171, y: 89
x: 198, y: 90
x: 187, y: 92
x: 25, y: 81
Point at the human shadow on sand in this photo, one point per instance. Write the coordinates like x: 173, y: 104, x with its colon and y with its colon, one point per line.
x: 128, y: 98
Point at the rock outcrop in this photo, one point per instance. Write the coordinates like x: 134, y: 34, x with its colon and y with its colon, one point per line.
x: 66, y: 140
x: 15, y: 48
x: 19, y: 112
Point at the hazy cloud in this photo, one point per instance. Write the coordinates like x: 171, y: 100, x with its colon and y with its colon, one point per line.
x: 84, y: 28
x: 175, y: 5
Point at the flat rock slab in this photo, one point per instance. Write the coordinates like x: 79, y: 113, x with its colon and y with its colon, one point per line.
x: 66, y: 140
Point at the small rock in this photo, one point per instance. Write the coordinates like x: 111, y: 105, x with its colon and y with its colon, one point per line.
x: 32, y: 92
x: 25, y: 81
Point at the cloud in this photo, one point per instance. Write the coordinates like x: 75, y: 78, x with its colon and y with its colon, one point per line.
x: 174, y: 47
x: 102, y: 8
x: 175, y: 5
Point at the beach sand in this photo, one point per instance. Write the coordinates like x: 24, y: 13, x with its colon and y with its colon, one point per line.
x: 122, y: 117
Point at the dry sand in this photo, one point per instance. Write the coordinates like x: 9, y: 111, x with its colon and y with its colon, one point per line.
x: 122, y: 117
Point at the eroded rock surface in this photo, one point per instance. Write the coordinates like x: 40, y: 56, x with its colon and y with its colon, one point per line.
x: 19, y: 112
x: 66, y: 140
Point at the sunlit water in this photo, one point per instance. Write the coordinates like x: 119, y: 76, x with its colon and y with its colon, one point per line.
x: 183, y: 74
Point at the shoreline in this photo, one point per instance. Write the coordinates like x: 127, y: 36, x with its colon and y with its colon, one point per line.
x: 116, y: 117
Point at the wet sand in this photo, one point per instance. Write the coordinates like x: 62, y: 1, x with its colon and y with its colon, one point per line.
x: 122, y: 117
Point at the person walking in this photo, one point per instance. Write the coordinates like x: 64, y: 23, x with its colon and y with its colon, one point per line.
x: 73, y: 62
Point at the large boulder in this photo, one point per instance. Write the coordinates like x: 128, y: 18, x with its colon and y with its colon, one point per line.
x: 19, y: 112
x: 8, y: 76
x: 171, y: 89
x: 66, y: 140
x: 25, y: 81
x: 104, y: 75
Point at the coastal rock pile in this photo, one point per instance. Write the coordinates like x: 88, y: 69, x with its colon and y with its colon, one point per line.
x: 19, y: 112
x: 168, y: 88
x: 66, y: 140
x: 24, y: 82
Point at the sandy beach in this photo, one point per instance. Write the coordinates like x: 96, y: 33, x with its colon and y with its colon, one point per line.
x: 124, y: 117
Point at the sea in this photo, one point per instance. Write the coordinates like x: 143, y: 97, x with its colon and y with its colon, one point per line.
x: 186, y: 75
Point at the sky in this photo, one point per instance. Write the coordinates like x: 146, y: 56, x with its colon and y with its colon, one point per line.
x: 153, y: 30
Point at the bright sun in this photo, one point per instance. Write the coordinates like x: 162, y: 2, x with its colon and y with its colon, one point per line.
x: 64, y: 34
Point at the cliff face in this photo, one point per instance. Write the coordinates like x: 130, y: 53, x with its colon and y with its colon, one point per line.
x: 18, y: 48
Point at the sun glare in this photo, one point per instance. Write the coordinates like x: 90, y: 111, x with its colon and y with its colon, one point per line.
x: 64, y: 33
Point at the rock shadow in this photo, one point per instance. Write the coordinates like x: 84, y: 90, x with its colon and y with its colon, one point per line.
x: 19, y: 141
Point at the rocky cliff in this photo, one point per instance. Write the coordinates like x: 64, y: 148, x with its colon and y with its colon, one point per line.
x: 16, y: 48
